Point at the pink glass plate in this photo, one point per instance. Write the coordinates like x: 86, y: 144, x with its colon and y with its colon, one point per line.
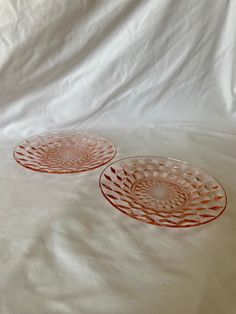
x: 64, y: 152
x: 163, y: 191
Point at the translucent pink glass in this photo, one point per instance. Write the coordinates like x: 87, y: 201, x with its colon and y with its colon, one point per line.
x: 64, y: 152
x: 163, y: 191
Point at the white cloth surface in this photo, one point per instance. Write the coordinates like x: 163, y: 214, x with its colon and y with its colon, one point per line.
x: 156, y: 76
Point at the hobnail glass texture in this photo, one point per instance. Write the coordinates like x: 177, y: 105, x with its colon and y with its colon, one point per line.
x: 163, y: 191
x: 64, y: 152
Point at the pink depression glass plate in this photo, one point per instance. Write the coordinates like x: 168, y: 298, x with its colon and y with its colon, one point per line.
x: 64, y: 152
x: 163, y: 191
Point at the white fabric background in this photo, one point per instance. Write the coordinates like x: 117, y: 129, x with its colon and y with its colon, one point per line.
x: 158, y: 77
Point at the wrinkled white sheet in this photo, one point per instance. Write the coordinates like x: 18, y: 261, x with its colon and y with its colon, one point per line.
x: 156, y: 76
